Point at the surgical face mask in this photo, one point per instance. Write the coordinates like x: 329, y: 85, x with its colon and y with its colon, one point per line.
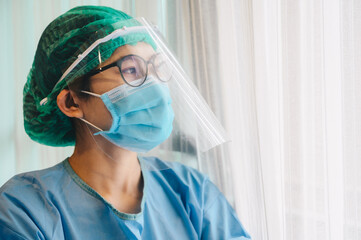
x: 142, y: 116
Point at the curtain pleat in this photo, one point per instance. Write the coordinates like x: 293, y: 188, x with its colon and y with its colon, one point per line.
x: 351, y: 117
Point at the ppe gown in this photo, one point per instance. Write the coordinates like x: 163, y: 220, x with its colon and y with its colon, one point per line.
x: 178, y: 203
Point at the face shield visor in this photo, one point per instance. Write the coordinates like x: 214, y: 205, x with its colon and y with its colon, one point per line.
x: 139, y: 96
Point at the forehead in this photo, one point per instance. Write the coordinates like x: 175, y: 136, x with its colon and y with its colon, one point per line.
x: 141, y: 49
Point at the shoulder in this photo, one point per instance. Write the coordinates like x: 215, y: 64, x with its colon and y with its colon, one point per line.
x: 24, y: 197
x: 32, y: 181
x: 199, y: 197
x: 183, y: 179
x: 174, y: 170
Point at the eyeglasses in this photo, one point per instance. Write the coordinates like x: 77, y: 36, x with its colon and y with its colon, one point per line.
x: 134, y: 69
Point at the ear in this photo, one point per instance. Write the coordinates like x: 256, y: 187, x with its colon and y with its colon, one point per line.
x: 67, y: 104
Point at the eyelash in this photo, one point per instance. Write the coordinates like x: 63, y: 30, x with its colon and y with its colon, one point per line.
x: 127, y: 69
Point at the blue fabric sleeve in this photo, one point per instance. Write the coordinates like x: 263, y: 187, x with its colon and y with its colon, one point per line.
x: 8, y: 233
x: 21, y: 206
x: 219, y: 219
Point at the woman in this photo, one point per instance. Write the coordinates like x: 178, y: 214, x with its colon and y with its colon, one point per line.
x: 101, y: 79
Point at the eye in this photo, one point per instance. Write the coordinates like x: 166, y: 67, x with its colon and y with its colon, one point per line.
x: 130, y: 70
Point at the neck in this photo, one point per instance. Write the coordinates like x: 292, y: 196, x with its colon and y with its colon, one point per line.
x: 113, y: 172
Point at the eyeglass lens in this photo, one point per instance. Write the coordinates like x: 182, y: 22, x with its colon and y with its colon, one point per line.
x: 134, y: 68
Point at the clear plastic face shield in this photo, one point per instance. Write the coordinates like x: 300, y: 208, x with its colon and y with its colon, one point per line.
x: 138, y: 97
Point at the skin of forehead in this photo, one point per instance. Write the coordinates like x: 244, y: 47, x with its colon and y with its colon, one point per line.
x: 141, y: 49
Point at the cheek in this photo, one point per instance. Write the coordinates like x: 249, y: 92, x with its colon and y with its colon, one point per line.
x: 96, y: 112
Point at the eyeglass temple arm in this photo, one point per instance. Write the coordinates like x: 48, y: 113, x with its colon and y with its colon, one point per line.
x: 99, y: 70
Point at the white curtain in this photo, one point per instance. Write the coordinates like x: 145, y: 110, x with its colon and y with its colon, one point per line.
x: 291, y: 82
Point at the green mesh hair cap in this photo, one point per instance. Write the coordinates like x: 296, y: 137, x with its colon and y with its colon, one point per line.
x: 58, y: 48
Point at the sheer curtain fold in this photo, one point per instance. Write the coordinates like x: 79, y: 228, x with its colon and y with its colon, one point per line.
x: 351, y: 116
x: 237, y: 72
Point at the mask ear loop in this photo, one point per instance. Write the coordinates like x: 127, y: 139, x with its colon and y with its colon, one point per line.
x: 92, y: 135
x: 143, y: 164
x: 89, y: 123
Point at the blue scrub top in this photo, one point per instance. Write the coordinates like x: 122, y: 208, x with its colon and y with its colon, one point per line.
x: 178, y: 203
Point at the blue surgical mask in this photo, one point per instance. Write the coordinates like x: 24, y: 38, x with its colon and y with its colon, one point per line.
x: 142, y: 116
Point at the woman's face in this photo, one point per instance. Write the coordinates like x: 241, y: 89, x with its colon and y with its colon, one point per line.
x: 93, y: 108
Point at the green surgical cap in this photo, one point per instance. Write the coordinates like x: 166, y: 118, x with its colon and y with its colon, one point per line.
x: 58, y: 48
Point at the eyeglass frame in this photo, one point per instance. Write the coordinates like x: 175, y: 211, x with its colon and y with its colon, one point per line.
x: 115, y: 64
